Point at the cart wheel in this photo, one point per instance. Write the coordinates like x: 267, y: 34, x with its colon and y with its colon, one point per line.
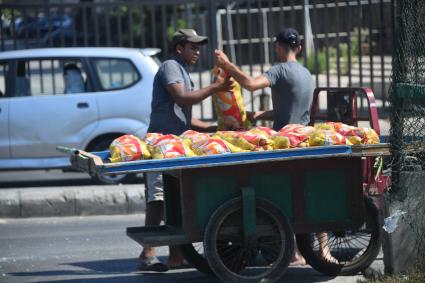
x: 264, y: 258
x: 194, y: 254
x: 354, y: 250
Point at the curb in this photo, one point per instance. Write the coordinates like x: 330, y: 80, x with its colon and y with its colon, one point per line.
x: 72, y: 201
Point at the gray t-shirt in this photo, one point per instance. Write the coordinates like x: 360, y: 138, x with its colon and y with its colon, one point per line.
x: 292, y: 93
x: 166, y: 116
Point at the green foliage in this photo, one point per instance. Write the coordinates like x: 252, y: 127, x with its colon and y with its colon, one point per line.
x: 317, y: 65
x: 181, y: 23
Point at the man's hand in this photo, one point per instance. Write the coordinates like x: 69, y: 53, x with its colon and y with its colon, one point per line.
x: 223, y: 84
x: 221, y: 58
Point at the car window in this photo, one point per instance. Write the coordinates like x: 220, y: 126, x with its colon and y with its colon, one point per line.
x: 49, y: 77
x: 115, y: 73
x: 4, y: 67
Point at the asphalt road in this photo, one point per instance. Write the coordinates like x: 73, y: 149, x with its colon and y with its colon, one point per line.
x: 46, y: 178
x: 96, y: 249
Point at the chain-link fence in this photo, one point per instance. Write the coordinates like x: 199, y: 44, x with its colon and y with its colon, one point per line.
x: 407, y: 97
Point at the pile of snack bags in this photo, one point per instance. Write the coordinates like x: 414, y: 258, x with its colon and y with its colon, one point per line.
x: 192, y: 143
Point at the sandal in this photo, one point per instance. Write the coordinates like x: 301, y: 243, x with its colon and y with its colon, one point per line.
x: 152, y: 264
x: 184, y: 265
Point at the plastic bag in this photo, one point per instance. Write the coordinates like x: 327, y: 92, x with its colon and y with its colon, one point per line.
x: 128, y: 148
x: 213, y: 146
x: 235, y: 139
x: 229, y: 106
x: 297, y: 134
x: 326, y: 137
x: 391, y: 222
x: 259, y: 139
x: 280, y: 141
x: 170, y: 146
x: 194, y: 136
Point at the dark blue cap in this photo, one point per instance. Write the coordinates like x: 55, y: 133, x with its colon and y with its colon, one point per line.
x: 289, y: 36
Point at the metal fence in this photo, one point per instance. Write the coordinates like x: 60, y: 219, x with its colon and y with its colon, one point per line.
x: 346, y: 43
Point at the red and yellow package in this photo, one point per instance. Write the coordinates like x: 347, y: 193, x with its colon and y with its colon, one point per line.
x: 371, y: 136
x: 297, y: 134
x: 128, y: 148
x: 269, y: 132
x: 151, y: 138
x: 326, y: 137
x: 328, y: 126
x: 229, y: 106
x: 259, y: 139
x: 170, y: 146
x: 213, y: 146
x: 194, y: 136
x: 280, y: 141
x: 235, y: 139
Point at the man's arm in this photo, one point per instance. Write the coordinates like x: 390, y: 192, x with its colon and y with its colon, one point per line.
x: 261, y: 115
x: 183, y: 98
x: 201, y: 126
x: 243, y: 79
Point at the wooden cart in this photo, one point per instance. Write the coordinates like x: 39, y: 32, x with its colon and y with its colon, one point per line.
x: 242, y: 210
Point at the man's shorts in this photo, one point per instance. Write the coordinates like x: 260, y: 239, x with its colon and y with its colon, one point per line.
x: 154, y: 186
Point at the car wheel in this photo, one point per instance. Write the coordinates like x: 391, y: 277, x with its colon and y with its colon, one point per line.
x: 103, y: 145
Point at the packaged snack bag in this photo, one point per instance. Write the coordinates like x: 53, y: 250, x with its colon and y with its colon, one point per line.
x: 297, y: 134
x: 235, y: 139
x: 280, y: 141
x: 269, y: 132
x: 371, y: 136
x: 258, y: 138
x: 229, y: 106
x: 170, y: 146
x: 347, y: 130
x: 194, y: 136
x: 151, y: 138
x: 326, y: 137
x: 213, y: 146
x: 128, y: 148
x: 328, y: 126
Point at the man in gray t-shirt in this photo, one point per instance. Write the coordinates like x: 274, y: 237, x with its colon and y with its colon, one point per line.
x: 291, y: 83
x: 292, y: 88
x: 172, y: 100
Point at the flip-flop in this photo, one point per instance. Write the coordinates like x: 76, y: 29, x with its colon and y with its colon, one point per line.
x: 152, y: 264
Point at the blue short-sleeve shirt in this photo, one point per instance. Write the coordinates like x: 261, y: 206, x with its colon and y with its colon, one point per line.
x: 167, y: 117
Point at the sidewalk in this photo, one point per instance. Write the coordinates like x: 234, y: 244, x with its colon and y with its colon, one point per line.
x: 72, y: 201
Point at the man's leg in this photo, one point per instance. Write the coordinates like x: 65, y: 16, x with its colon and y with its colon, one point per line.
x: 154, y: 196
x: 153, y: 217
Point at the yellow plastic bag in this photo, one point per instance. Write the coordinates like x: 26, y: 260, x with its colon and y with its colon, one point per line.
x: 229, y: 106
x: 170, y: 146
x: 194, y: 136
x: 326, y: 137
x: 128, y: 148
x: 213, y: 146
x: 235, y: 139
x: 280, y: 141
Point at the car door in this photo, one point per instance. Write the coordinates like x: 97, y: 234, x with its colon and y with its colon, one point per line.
x: 4, y: 112
x: 43, y: 114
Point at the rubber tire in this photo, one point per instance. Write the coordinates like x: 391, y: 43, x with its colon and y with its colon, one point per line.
x: 213, y: 257
x: 110, y: 180
x: 350, y: 268
x: 196, y: 259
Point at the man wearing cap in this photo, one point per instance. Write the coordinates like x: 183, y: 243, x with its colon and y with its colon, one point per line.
x: 292, y: 88
x: 172, y: 100
x: 291, y: 83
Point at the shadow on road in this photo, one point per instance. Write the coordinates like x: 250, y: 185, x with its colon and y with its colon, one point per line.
x: 125, y: 270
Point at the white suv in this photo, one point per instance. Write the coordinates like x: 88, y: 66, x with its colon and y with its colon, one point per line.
x: 38, y: 112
